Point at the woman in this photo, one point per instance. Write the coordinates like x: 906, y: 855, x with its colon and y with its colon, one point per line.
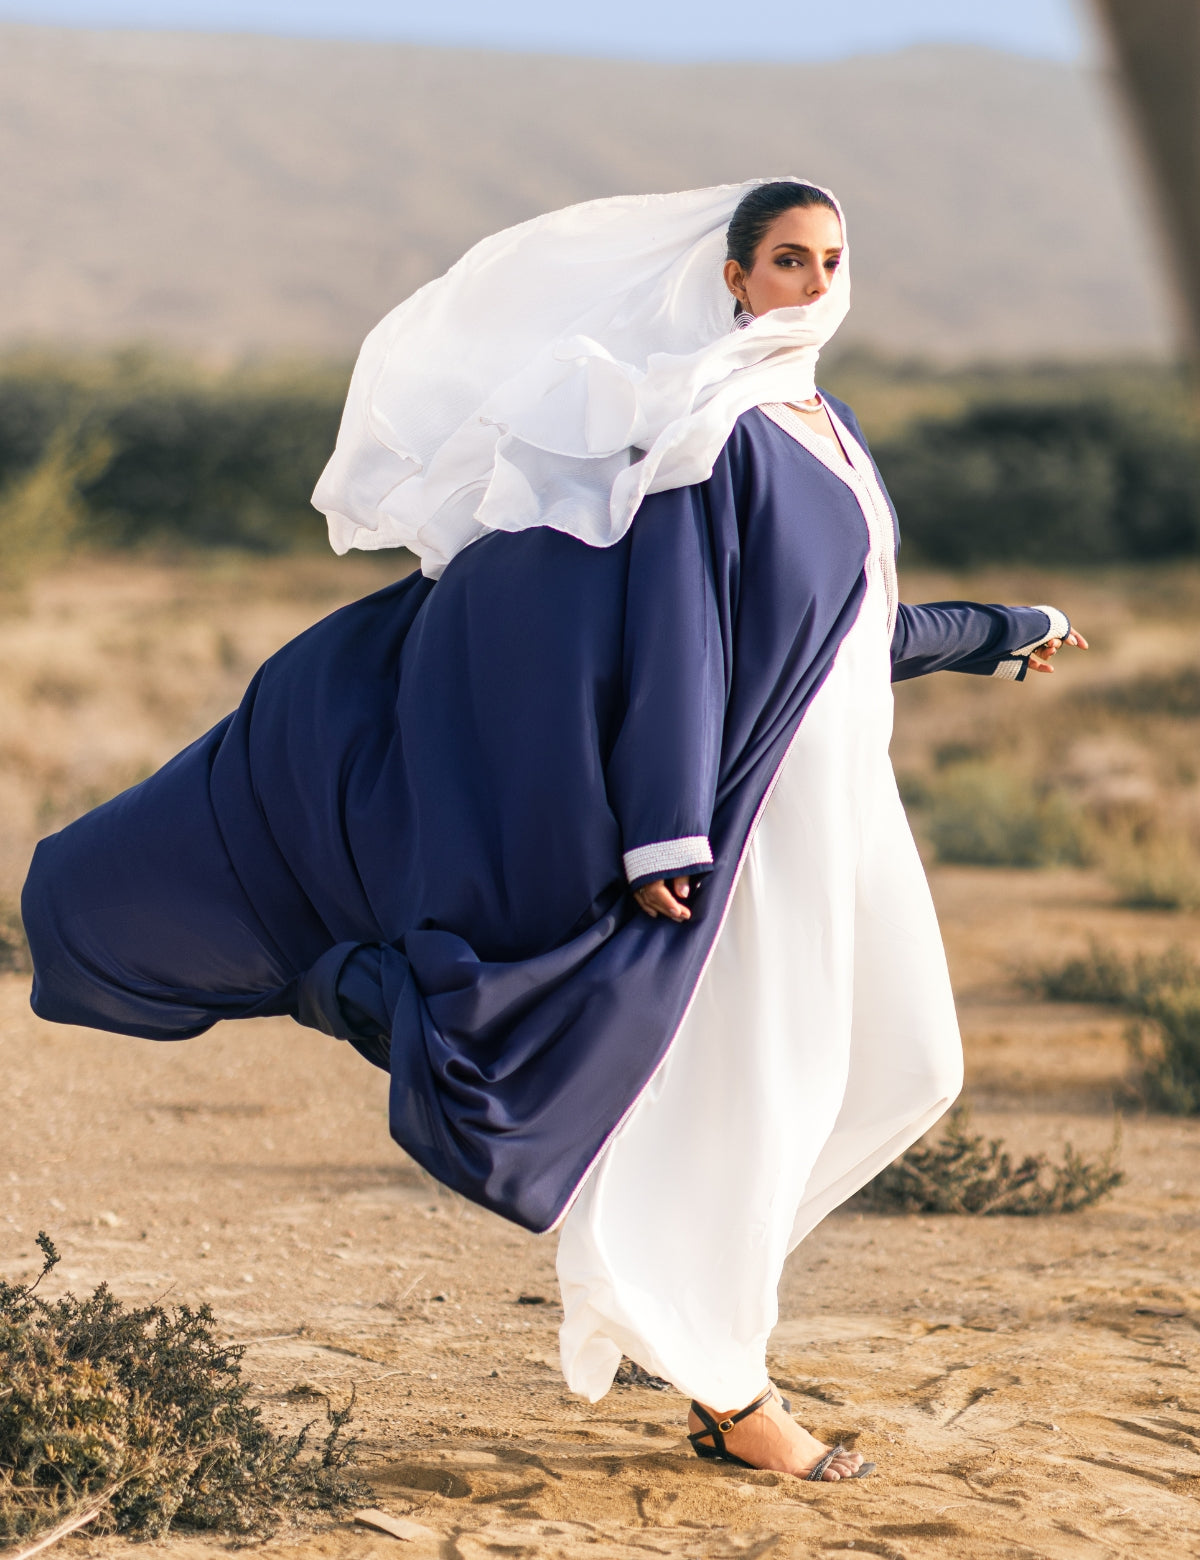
x: 587, y: 833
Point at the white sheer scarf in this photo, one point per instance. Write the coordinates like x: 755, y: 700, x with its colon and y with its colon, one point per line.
x: 557, y: 373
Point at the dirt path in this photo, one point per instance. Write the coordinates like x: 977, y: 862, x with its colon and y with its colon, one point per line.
x: 1028, y: 1387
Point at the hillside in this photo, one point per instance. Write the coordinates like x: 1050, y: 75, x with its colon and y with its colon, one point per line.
x: 236, y: 194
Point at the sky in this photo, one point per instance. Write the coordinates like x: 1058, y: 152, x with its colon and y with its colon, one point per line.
x: 646, y: 29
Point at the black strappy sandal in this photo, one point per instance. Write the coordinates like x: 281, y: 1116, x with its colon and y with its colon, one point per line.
x: 715, y: 1430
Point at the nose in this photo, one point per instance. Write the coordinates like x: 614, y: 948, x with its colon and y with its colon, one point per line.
x: 819, y: 282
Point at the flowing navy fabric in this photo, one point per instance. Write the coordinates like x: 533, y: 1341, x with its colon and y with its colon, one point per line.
x: 410, y: 833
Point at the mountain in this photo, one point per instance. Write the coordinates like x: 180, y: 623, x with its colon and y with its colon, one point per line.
x: 235, y: 194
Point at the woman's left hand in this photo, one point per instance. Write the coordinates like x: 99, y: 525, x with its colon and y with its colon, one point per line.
x: 663, y: 898
x: 1039, y: 659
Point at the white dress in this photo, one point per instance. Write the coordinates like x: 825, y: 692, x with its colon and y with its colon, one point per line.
x: 820, y: 1043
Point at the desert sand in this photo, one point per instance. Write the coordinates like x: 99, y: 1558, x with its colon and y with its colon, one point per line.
x: 1027, y: 1387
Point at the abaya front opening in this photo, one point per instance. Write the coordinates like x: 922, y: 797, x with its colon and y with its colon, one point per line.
x: 821, y: 1042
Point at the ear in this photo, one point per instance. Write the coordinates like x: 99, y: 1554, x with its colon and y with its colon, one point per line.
x: 735, y: 280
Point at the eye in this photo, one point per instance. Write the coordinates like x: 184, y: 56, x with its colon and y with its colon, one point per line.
x: 833, y: 262
x: 790, y: 262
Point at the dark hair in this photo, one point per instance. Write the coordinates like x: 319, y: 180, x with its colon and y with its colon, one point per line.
x: 758, y: 208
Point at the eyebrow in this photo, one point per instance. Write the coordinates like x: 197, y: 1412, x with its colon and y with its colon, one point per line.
x: 803, y: 249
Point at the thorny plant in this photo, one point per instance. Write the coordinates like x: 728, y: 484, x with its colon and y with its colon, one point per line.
x: 965, y: 1173
x: 144, y: 1411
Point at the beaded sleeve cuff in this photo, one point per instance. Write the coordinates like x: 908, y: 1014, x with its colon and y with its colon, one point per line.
x: 667, y: 856
x: 1060, y: 627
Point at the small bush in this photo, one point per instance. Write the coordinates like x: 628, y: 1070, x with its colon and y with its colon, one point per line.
x: 1108, y: 978
x: 981, y: 814
x: 1155, y: 875
x: 1162, y: 992
x: 963, y: 1173
x: 144, y: 1411
x: 1171, y: 1063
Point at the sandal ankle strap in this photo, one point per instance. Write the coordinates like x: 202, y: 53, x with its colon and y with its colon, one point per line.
x: 718, y: 1429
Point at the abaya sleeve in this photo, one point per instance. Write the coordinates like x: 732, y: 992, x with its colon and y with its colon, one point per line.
x: 968, y: 636
x: 661, y: 774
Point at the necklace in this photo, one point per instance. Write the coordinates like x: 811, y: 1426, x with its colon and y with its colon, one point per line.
x: 813, y: 404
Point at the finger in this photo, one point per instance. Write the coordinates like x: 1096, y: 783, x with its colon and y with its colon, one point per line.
x: 662, y: 899
x: 1037, y: 664
x: 681, y: 887
x: 655, y: 900
x: 1076, y: 638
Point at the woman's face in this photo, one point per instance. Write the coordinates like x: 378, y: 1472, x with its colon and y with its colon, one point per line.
x: 794, y: 262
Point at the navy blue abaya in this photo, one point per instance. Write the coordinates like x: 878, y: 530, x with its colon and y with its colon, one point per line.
x: 414, y: 831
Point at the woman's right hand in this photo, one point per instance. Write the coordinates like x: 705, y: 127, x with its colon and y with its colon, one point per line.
x: 1039, y: 660
x: 665, y: 898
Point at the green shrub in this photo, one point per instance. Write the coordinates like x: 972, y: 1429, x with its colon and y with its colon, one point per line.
x: 964, y: 1173
x: 200, y: 460
x: 982, y: 814
x: 1036, y: 467
x: 144, y: 1412
x: 1046, y: 481
x: 212, y: 467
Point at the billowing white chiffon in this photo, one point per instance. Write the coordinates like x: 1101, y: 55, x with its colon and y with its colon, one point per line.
x: 821, y: 1042
x: 559, y: 372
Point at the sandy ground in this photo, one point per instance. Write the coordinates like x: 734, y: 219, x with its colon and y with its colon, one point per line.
x: 1027, y: 1387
